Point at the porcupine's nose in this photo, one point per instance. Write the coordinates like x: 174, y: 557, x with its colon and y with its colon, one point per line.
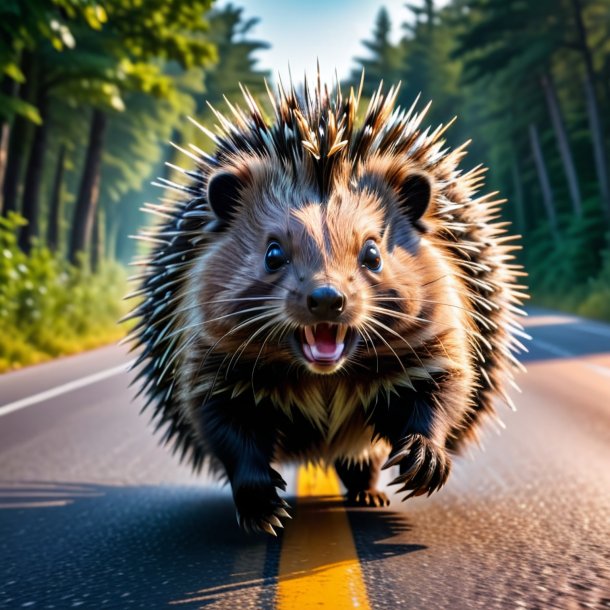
x: 326, y: 302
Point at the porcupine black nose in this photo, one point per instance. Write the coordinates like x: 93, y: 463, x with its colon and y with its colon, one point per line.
x: 326, y: 302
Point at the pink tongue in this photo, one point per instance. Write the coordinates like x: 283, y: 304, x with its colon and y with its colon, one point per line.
x: 325, y: 339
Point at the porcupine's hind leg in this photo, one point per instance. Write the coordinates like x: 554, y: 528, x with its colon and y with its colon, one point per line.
x: 360, y: 479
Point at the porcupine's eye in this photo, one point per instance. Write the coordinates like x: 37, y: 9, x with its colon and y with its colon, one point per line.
x: 275, y: 257
x: 370, y: 256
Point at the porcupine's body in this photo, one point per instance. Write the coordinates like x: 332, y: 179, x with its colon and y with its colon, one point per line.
x: 327, y: 292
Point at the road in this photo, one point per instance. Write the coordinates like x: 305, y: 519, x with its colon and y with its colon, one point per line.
x: 94, y: 514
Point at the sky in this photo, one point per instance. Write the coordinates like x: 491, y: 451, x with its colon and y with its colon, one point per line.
x: 302, y: 31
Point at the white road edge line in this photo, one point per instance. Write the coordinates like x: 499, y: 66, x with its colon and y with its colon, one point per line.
x: 63, y: 389
x: 562, y: 353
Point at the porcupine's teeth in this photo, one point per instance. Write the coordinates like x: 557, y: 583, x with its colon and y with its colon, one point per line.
x: 309, y: 336
x: 324, y: 342
x: 341, y: 333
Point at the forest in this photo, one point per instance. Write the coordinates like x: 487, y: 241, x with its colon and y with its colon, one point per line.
x: 91, y: 93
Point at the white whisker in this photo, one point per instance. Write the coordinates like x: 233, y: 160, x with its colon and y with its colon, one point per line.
x: 373, y: 330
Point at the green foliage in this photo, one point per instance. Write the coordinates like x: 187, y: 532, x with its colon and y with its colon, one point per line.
x: 558, y: 270
x: 236, y: 62
x: 384, y: 61
x: 140, y: 136
x: 48, y: 308
x: 23, y: 24
x: 10, y: 106
x: 140, y: 133
x: 236, y: 66
x: 429, y: 68
x: 94, y: 54
x: 596, y: 299
x: 165, y: 29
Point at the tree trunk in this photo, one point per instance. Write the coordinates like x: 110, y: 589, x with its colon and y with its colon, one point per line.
x: 20, y: 133
x: 88, y: 194
x: 54, y: 227
x: 518, y: 195
x: 599, y: 149
x: 595, y: 123
x: 97, y: 241
x: 33, y: 176
x: 9, y: 88
x: 545, y: 183
x: 563, y: 144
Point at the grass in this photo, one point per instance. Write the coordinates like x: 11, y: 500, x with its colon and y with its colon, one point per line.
x: 49, y: 308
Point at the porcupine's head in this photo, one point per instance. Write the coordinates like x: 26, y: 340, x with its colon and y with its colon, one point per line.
x: 312, y: 277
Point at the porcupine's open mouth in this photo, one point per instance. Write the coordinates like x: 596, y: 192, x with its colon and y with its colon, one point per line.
x: 325, y: 345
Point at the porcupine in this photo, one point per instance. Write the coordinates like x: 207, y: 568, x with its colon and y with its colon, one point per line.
x: 326, y: 290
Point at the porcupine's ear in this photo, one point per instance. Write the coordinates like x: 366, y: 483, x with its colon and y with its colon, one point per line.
x: 223, y: 197
x: 415, y: 194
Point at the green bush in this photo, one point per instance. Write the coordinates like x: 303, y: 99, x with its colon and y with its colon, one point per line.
x: 567, y: 268
x: 596, y: 303
x: 573, y: 275
x: 48, y: 307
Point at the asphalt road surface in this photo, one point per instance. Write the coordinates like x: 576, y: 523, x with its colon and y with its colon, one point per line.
x: 94, y: 514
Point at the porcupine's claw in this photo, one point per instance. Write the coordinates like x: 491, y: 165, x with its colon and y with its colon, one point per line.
x: 267, y: 523
x: 273, y: 520
x: 267, y: 527
x: 368, y: 497
x: 259, y: 507
x: 241, y: 522
x: 280, y: 512
x: 424, y: 467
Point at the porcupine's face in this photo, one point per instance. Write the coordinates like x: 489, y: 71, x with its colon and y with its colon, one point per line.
x: 320, y: 284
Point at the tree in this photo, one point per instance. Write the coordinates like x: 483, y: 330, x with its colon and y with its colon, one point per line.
x: 164, y: 120
x: 55, y: 211
x: 88, y: 193
x: 545, y: 182
x: 530, y: 84
x: 384, y: 60
x: 526, y: 40
x: 23, y: 27
x: 429, y: 70
x: 20, y: 134
x: 595, y: 123
x: 138, y: 31
x: 76, y: 50
x: 563, y: 144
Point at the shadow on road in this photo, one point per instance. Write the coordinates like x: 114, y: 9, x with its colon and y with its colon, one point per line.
x: 95, y: 546
x: 374, y: 532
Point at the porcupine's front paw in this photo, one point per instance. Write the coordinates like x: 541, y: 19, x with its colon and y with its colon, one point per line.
x: 258, y: 505
x: 424, y: 466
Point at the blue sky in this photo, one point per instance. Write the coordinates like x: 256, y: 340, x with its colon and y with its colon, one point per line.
x: 302, y: 31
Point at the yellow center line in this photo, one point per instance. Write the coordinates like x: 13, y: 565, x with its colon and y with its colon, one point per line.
x: 319, y: 566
